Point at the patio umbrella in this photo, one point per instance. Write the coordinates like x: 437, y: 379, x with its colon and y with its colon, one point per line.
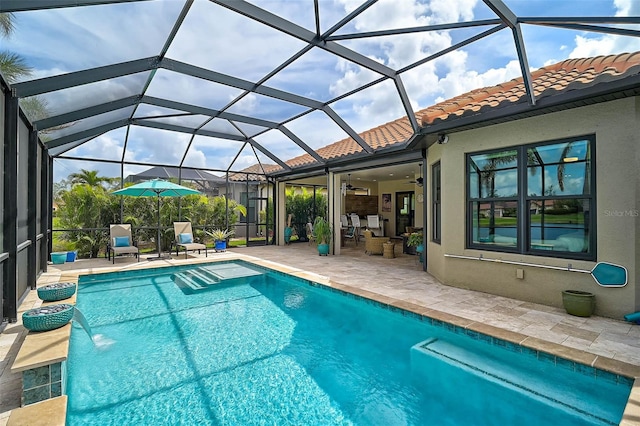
x: 156, y: 188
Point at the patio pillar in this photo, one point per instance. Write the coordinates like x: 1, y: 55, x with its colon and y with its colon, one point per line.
x: 32, y: 208
x: 9, y: 220
x: 334, y: 198
x: 280, y: 212
x: 50, y: 207
x: 425, y: 208
x: 46, y: 204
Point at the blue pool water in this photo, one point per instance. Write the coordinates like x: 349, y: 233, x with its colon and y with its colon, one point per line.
x: 259, y: 347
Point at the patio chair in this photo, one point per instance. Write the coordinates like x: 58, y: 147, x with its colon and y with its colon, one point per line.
x: 375, y: 225
x: 184, y: 239
x: 344, y: 222
x: 374, y: 245
x: 355, y: 222
x: 121, y: 242
x: 351, y: 233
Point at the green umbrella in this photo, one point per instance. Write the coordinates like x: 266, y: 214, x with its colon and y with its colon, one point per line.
x: 156, y: 188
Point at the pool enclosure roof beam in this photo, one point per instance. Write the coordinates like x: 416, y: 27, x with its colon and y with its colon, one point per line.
x: 300, y: 143
x: 510, y: 20
x: 412, y: 30
x: 183, y: 129
x: 194, y: 109
x: 173, y: 83
x: 7, y: 6
x: 89, y: 133
x: 78, y: 78
x: 303, y: 34
x: 79, y: 114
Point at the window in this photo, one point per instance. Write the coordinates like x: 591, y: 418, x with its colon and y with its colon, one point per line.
x: 436, y: 217
x: 533, y: 199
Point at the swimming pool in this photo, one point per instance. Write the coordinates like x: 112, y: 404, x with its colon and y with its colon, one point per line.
x: 260, y: 347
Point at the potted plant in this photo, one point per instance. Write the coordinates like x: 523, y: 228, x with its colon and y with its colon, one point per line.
x: 288, y: 230
x: 323, y: 233
x: 415, y: 240
x: 220, y: 237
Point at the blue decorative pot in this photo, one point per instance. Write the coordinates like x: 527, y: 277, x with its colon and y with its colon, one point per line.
x: 59, y: 258
x: 71, y: 255
x: 287, y: 234
x: 57, y: 291
x: 221, y: 245
x: 48, y: 317
x: 323, y: 249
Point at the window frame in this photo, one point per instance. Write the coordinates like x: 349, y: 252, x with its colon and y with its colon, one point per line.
x: 436, y: 202
x: 523, y: 220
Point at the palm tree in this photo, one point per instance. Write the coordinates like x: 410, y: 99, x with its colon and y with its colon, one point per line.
x: 13, y: 66
x: 6, y: 24
x: 88, y: 177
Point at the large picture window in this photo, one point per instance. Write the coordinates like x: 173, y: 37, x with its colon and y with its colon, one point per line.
x: 533, y: 199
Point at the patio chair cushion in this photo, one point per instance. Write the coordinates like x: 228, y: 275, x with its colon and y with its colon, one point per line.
x: 121, y: 242
x: 186, y: 238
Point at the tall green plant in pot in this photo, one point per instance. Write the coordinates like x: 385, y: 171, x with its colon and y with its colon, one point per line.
x: 415, y: 240
x: 323, y: 233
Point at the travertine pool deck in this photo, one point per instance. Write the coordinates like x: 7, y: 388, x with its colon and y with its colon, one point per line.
x: 604, y: 343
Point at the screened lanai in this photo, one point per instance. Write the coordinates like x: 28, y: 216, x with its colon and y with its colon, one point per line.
x: 254, y: 91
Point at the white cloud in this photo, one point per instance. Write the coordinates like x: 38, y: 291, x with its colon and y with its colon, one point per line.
x: 460, y: 79
x: 588, y: 46
x: 247, y: 105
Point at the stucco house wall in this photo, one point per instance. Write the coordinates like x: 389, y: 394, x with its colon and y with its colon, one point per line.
x: 615, y: 125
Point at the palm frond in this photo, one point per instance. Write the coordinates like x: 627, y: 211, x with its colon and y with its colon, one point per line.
x: 13, y: 66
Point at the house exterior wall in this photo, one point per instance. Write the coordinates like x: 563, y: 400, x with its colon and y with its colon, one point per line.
x: 617, y: 154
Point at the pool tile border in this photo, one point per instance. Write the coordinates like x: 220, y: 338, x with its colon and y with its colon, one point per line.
x: 566, y: 357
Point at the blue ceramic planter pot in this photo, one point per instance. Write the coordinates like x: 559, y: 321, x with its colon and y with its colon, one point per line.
x: 59, y: 258
x: 221, y: 245
x: 323, y: 249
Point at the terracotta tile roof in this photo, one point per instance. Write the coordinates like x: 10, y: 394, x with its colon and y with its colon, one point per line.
x: 571, y: 74
x: 255, y: 173
x: 379, y: 137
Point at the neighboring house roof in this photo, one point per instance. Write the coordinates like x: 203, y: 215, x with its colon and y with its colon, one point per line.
x: 174, y: 172
x: 563, y: 77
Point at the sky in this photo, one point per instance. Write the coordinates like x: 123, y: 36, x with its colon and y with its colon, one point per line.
x: 58, y: 41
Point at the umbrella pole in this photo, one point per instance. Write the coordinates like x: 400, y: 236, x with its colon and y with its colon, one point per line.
x: 158, y: 240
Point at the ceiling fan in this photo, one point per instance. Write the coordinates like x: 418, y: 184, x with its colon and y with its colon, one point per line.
x: 419, y: 181
x: 350, y: 187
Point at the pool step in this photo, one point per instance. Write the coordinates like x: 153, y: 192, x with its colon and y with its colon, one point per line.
x: 204, y: 277
x: 195, y: 279
x: 478, y: 376
x: 228, y: 271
